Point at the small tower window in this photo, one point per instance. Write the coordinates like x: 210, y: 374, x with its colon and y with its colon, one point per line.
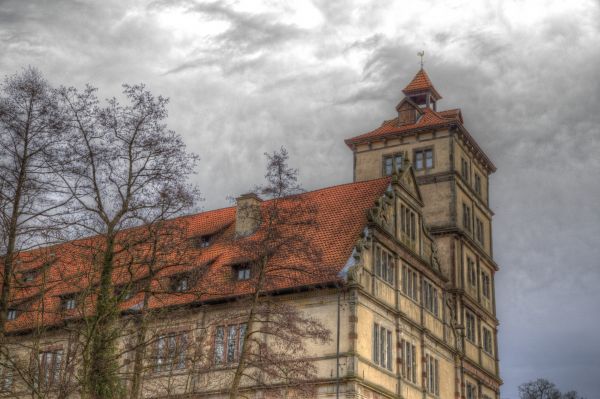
x: 424, y: 159
x: 392, y: 163
x: 477, y: 183
x: 464, y: 169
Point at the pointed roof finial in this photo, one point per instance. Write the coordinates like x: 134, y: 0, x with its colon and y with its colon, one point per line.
x: 421, y: 54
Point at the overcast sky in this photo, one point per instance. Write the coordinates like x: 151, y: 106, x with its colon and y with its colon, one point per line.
x: 245, y: 77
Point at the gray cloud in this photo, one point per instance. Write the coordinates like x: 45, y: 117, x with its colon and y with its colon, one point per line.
x: 525, y: 77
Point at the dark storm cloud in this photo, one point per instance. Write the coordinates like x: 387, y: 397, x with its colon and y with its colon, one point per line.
x: 308, y: 75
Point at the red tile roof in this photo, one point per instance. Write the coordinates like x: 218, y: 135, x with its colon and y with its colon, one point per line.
x: 340, y: 214
x: 429, y: 119
x: 421, y: 83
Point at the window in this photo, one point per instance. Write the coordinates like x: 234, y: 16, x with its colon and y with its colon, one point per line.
x: 477, y: 183
x: 171, y: 351
x: 204, y: 241
x: 487, y: 340
x: 392, y: 163
x: 471, y: 272
x: 471, y: 391
x: 470, y: 327
x: 479, y: 230
x: 49, y: 363
x: 409, y: 283
x: 408, y: 224
x: 229, y: 341
x: 29, y: 276
x: 68, y: 302
x: 430, y: 297
x: 485, y: 288
x: 409, y: 361
x: 180, y: 283
x: 424, y: 159
x: 466, y: 217
x: 464, y: 169
x: 243, y: 271
x: 384, y: 264
x: 11, y: 314
x: 382, y: 346
x: 432, y: 375
x: 6, y: 377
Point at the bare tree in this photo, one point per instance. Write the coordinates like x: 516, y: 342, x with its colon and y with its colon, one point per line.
x: 272, y: 351
x: 127, y: 169
x: 544, y: 389
x: 31, y: 132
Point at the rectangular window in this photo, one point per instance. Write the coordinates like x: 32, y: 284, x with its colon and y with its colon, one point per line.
x: 409, y: 283
x: 470, y: 326
x: 430, y: 297
x: 471, y: 391
x: 424, y: 159
x: 464, y: 169
x: 180, y: 283
x: 485, y: 286
x: 384, y: 264
x: 6, y: 377
x: 392, y: 163
x: 471, y: 272
x: 228, y: 343
x: 466, y: 217
x: 49, y: 363
x: 68, y: 302
x: 478, y: 184
x: 171, y: 352
x: 479, y: 230
x: 432, y: 375
x: 409, y: 360
x: 382, y: 346
x: 487, y: 341
x: 408, y: 225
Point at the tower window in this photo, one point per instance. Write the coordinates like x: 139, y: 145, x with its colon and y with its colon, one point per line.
x: 479, y: 230
x: 471, y: 273
x: 392, y: 163
x: 477, y: 183
x: 464, y: 169
x: 470, y: 326
x: 487, y: 340
x: 424, y: 159
x: 466, y: 217
x: 485, y: 288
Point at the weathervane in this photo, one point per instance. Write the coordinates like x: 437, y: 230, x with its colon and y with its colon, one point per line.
x: 421, y: 54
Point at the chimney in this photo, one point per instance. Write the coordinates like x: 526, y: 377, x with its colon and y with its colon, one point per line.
x: 247, y: 214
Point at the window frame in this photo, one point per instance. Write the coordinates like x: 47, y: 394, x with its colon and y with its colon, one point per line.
x: 464, y: 169
x: 470, y: 326
x: 430, y: 297
x: 432, y: 375
x: 412, y: 291
x: 394, y: 163
x: 423, y: 151
x: 174, y: 358
x: 488, y: 342
x: 240, y: 330
x: 386, y: 271
x: 51, y: 375
x: 409, y: 360
x: 382, y: 347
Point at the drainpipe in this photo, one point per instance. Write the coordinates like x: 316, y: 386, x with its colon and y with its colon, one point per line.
x: 337, y: 355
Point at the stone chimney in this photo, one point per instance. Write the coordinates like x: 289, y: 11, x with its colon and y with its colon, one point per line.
x: 247, y: 214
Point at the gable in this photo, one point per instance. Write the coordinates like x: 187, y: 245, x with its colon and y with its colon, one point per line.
x: 408, y: 181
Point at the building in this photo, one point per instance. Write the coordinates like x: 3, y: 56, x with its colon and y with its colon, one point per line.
x: 404, y: 281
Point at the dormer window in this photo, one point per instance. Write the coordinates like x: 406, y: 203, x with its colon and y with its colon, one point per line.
x: 180, y: 283
x: 28, y: 276
x: 68, y: 302
x: 11, y: 314
x: 204, y: 241
x: 243, y: 271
